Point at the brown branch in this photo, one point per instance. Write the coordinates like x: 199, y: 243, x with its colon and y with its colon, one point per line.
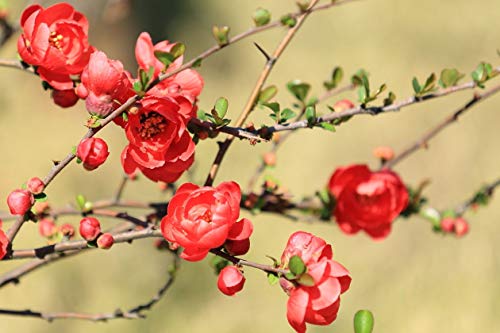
x: 242, y: 262
x: 486, y: 191
x: 224, y: 146
x: 134, y: 313
x: 424, y: 140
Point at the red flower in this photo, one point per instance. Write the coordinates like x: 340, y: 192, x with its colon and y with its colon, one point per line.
x: 159, y: 144
x: 55, y: 40
x: 35, y: 185
x: 92, y: 152
x: 318, y: 303
x: 64, y: 98
x: 230, y: 280
x: 90, y: 228
x: 105, y: 85
x: 187, y: 83
x: 4, y: 242
x: 367, y: 200
x: 203, y: 218
x: 20, y: 201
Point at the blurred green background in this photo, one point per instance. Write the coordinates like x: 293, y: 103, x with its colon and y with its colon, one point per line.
x: 414, y: 281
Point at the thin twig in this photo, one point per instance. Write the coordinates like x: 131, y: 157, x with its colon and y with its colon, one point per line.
x: 423, y: 141
x: 487, y: 191
x: 224, y: 146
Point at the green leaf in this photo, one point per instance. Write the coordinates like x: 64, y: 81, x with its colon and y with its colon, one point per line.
x: 290, y: 276
x: 306, y: 280
x: 287, y: 114
x: 310, y: 114
x: 200, y: 114
x: 80, y: 201
x: 363, y: 321
x: 164, y: 57
x: 274, y: 106
x: 272, y: 279
x: 416, y: 86
x: 391, y: 97
x: 221, y: 106
x: 137, y: 87
x: 221, y: 34
x: 288, y: 20
x: 429, y: 83
x: 40, y: 197
x: 380, y: 90
x: 337, y: 75
x: 357, y: 78
x: 268, y: 93
x: 449, y: 77
x: 218, y: 264
x: 327, y: 126
x: 197, y: 63
x: 299, y: 89
x: 178, y: 50
x: 261, y: 17
x: 296, y: 265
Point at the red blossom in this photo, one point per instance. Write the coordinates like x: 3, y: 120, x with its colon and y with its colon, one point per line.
x: 55, y: 40
x: 90, y: 228
x: 92, y: 152
x: 366, y: 200
x: 230, y: 280
x: 64, y: 98
x: 20, y: 201
x: 105, y: 85
x: 319, y: 303
x: 159, y: 144
x: 203, y: 218
x: 187, y: 83
x: 35, y: 185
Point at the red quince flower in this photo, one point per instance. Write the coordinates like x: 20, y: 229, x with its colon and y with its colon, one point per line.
x: 319, y: 303
x: 159, y: 144
x: 230, y: 280
x: 90, y: 228
x: 203, y: 218
x: 4, y: 242
x: 64, y: 98
x: 105, y: 85
x: 20, y: 201
x: 187, y: 83
x: 55, y: 40
x: 366, y: 200
x: 92, y: 152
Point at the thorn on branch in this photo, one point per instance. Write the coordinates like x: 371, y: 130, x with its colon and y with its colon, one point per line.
x: 266, y: 55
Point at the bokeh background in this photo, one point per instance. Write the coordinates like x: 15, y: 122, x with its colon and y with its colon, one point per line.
x: 414, y: 281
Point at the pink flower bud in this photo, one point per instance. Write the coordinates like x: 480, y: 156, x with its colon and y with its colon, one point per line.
x: 92, y: 152
x: 90, y: 228
x: 343, y: 105
x: 384, y: 153
x: 35, y: 185
x: 230, y: 280
x: 105, y: 241
x: 269, y: 159
x: 448, y: 224
x: 46, y: 227
x: 461, y: 227
x: 20, y: 201
x: 67, y: 230
x: 238, y: 247
x: 64, y: 98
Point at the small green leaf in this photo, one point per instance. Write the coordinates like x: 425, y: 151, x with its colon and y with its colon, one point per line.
x: 337, y: 75
x: 272, y: 279
x: 288, y: 20
x: 164, y: 57
x: 80, y: 201
x: 327, y: 126
x: 429, y: 83
x: 138, y: 87
x: 274, y: 106
x: 221, y: 106
x: 221, y: 34
x: 306, y: 280
x: 197, y: 63
x: 218, y: 264
x: 357, y: 78
x: 310, y: 114
x: 73, y: 150
x: 363, y: 321
x: 178, y: 50
x: 416, y: 86
x: 40, y: 197
x: 290, y: 276
x: 299, y: 89
x: 200, y: 114
x: 267, y: 94
x: 261, y: 17
x: 449, y: 77
x: 391, y: 97
x: 287, y: 114
x: 296, y: 265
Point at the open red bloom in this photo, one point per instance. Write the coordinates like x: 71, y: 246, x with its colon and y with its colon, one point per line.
x: 187, y: 83
x: 55, y: 40
x: 203, y: 218
x: 159, y: 144
x: 366, y: 200
x: 105, y: 85
x: 318, y: 303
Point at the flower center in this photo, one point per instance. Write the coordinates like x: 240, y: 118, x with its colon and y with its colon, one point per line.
x: 152, y: 124
x: 368, y: 192
x: 55, y: 40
